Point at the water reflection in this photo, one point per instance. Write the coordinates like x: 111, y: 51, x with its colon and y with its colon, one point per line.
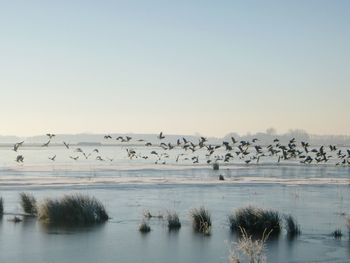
x: 173, y: 234
x: 69, y: 229
x: 201, y: 239
x: 119, y: 239
x: 28, y: 221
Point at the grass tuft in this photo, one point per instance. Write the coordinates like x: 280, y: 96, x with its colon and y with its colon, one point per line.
x: 28, y: 203
x: 252, y: 250
x: 201, y: 221
x: 173, y: 221
x: 144, y: 227
x: 147, y: 214
x: 255, y: 221
x: 1, y: 206
x: 75, y: 209
x: 337, y: 234
x: 292, y: 227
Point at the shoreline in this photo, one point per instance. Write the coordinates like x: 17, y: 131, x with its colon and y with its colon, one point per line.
x: 9, y: 182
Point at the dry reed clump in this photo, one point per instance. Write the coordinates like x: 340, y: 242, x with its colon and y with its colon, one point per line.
x: 144, y: 227
x: 173, y: 221
x: 28, y: 203
x: 252, y: 250
x: 337, y: 234
x: 255, y: 221
x: 201, y: 221
x: 75, y: 209
x: 1, y: 206
x: 292, y: 227
x: 147, y: 214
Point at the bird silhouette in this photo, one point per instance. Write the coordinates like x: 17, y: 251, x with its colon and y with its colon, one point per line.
x: 161, y: 136
x: 46, y: 144
x: 66, y: 145
x: 19, y: 158
x: 86, y: 155
x: 50, y: 135
x: 99, y: 158
x: 17, y: 145
x: 79, y: 150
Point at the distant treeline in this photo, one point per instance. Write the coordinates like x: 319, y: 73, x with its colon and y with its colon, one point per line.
x: 264, y: 138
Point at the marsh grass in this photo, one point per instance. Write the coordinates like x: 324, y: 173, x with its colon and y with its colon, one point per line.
x: 337, y: 234
x: 253, y: 250
x: 173, y: 221
x: 1, y: 206
x: 201, y: 220
x: 291, y: 225
x: 28, y: 203
x: 255, y: 221
x: 147, y: 214
x: 75, y: 209
x: 144, y: 227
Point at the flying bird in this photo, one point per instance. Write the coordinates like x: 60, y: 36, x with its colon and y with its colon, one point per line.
x: 99, y: 158
x: 86, y: 155
x: 19, y: 158
x: 79, y: 150
x: 50, y: 135
x: 66, y: 144
x: 46, y: 144
x: 161, y: 136
x: 17, y: 145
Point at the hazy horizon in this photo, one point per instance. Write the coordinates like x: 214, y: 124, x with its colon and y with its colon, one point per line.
x: 195, y: 133
x: 268, y: 132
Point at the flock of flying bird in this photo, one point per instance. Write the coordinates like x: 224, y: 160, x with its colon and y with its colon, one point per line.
x: 247, y: 151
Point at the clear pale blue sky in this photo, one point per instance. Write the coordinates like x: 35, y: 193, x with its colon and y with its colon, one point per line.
x: 178, y: 66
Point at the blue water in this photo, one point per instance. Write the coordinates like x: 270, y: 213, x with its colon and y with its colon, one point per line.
x: 319, y: 209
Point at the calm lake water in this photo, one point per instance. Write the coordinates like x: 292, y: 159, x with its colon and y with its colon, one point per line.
x: 319, y: 208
